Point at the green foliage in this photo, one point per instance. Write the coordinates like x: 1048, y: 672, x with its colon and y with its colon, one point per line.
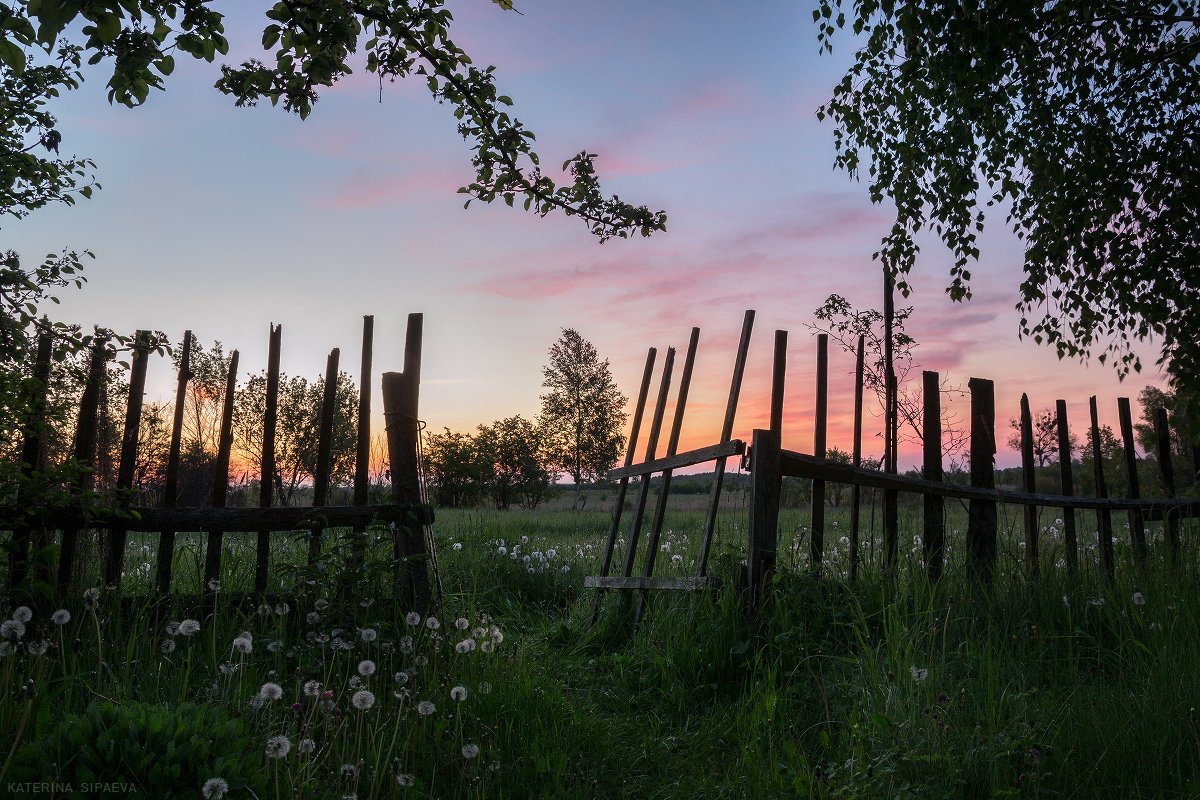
x: 1074, y: 119
x: 309, y: 46
x: 452, y: 465
x: 162, y: 751
x: 582, y: 410
x: 511, y: 462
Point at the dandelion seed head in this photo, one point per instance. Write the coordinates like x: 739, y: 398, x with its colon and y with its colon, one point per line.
x: 214, y: 585
x: 312, y: 617
x: 366, y: 668
x: 470, y: 750
x: 919, y: 674
x: 404, y: 780
x: 456, y: 546
x: 92, y: 596
x: 432, y: 623
x: 458, y: 693
x: 425, y: 708
x: 461, y: 623
x: 1139, y: 599
x: 168, y: 646
x: 362, y: 699
x: 281, y: 609
x: 278, y: 747
x: 312, y: 688
x: 214, y: 789
x: 243, y: 645
x: 412, y: 618
x: 270, y: 691
x: 465, y: 646
x: 37, y: 648
x: 22, y: 614
x: 188, y: 627
x: 306, y: 746
x: 12, y: 629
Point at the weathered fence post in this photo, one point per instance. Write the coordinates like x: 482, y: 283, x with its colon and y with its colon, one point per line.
x: 401, y: 396
x: 166, y: 537
x: 1137, y: 524
x: 1029, y: 481
x: 266, y: 474
x: 931, y: 470
x: 1167, y: 468
x: 362, y: 455
x: 778, y: 380
x: 764, y: 514
x: 856, y: 457
x: 85, y: 453
x: 115, y: 561
x: 891, y: 511
x: 1103, y: 515
x: 1066, y: 486
x: 981, y: 522
x: 324, y: 448
x: 639, y: 510
x: 817, y: 550
x: 220, y: 492
x: 31, y: 450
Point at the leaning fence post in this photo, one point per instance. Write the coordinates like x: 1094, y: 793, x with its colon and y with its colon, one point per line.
x: 85, y: 453
x: 981, y: 522
x: 362, y: 453
x: 931, y: 470
x: 266, y: 474
x: 1103, y: 515
x: 220, y: 491
x: 1137, y: 524
x: 1066, y: 486
x: 1167, y: 468
x: 31, y: 450
x: 401, y: 396
x: 166, y: 537
x: 1029, y: 480
x: 324, y: 448
x: 763, y: 530
x: 817, y: 549
x: 129, y: 443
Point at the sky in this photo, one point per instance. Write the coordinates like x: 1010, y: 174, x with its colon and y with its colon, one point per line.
x: 225, y: 220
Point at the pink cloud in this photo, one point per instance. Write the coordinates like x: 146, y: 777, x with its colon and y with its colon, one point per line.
x: 369, y: 191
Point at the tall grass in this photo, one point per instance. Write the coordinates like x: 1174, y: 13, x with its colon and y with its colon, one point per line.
x: 1064, y: 687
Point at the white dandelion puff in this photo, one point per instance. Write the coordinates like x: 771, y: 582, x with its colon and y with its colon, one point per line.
x: 366, y: 668
x: 458, y: 693
x: 189, y: 627
x: 368, y: 635
x: 270, y: 691
x: 425, y: 708
x: 362, y: 699
x: 214, y: 789
x: 278, y: 747
x: 412, y: 618
x: 470, y: 750
x: 22, y: 614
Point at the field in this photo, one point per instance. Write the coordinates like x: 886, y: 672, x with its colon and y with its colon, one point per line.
x: 1061, y: 688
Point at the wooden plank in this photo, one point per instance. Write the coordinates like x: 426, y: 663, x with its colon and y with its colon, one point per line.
x: 115, y: 561
x: 276, y: 518
x: 1029, y: 483
x: 85, y: 453
x: 639, y: 510
x: 166, y: 536
x: 1066, y: 486
x: 698, y: 456
x: 401, y: 400
x: 220, y: 491
x: 763, y: 528
x: 1167, y: 468
x: 778, y: 380
x: 645, y: 583
x: 1103, y: 517
x: 324, y: 446
x: 660, y: 511
x: 266, y: 475
x: 817, y: 542
x: 623, y: 484
x: 32, y: 429
x: 1137, y: 526
x: 856, y: 459
x: 714, y: 497
x: 981, y: 514
x: 934, y: 531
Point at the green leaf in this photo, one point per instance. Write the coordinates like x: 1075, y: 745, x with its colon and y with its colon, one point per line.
x: 12, y: 56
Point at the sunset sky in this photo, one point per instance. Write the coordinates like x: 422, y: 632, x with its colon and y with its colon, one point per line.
x: 224, y: 220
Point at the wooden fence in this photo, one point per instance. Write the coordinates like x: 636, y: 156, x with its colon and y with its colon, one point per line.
x: 769, y: 463
x: 35, y: 525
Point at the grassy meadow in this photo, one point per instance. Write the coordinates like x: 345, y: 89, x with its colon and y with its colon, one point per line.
x: 1064, y: 688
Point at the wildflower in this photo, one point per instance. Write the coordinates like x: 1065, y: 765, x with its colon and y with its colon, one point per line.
x: 456, y: 546
x: 404, y: 780
x: 281, y: 609
x: 189, y: 627
x: 12, y: 629
x: 312, y: 617
x: 401, y: 678
x: 676, y: 559
x: 412, y: 618
x: 458, y: 693
x: 362, y: 700
x: 432, y: 623
x: 470, y: 750
x: 465, y: 646
x: 501, y: 550
x: 214, y: 789
x: 497, y: 636
x: 92, y: 597
x: 461, y: 623
x: 919, y: 674
x: 312, y: 688
x: 551, y: 553
x: 368, y: 635
x: 421, y: 660
x: 226, y: 667
x: 243, y: 645
x: 37, y: 648
x: 172, y: 628
x: 487, y: 646
x: 321, y: 604
x: 355, y: 682
x: 1066, y: 601
x: 278, y: 747
x: 366, y: 668
x: 565, y: 569
x: 22, y: 614
x: 1139, y: 599
x: 406, y: 645
x: 270, y: 691
x: 214, y: 585
x: 349, y: 771
x: 524, y: 540
x: 425, y: 708
x: 168, y: 646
